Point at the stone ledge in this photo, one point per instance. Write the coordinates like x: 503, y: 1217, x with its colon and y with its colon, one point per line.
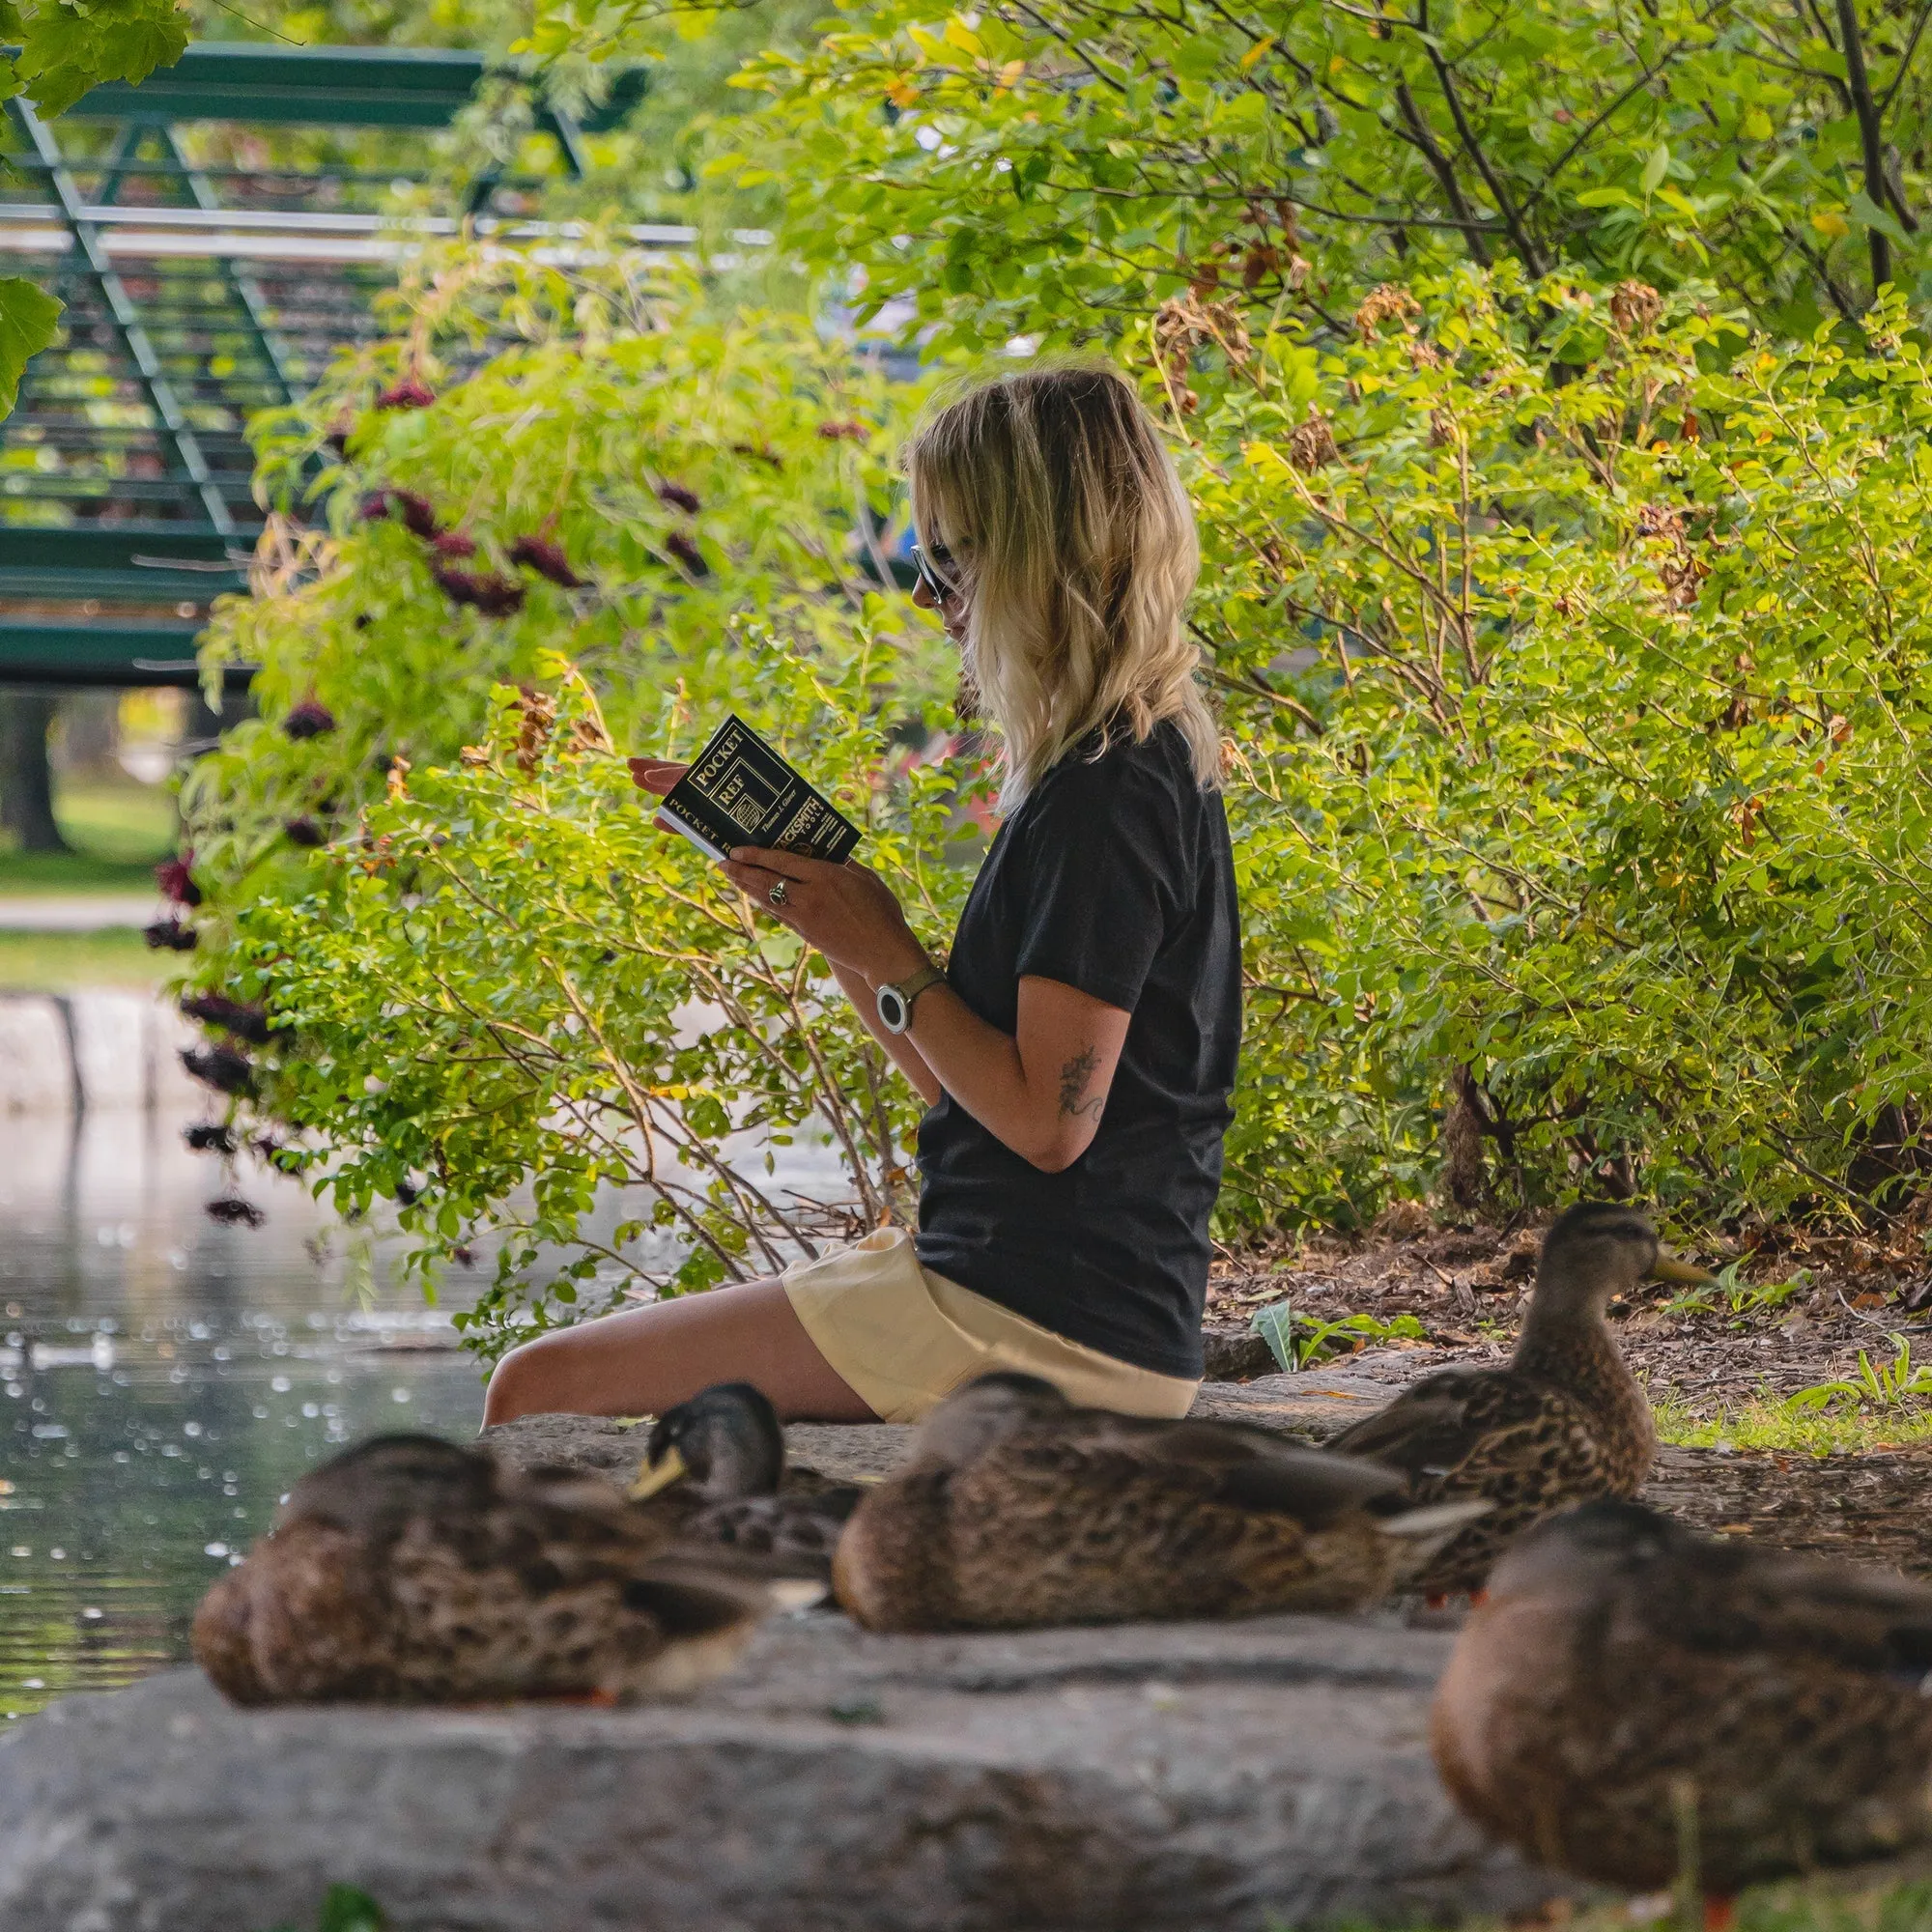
x: 1859, y: 1508
x: 61, y: 1054
x: 1141, y: 1778
x: 1311, y: 1406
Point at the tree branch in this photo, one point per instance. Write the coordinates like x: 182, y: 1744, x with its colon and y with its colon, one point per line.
x: 1871, y: 135
x: 1445, y: 175
x: 1577, y: 146
x: 1905, y: 59
x: 1532, y: 256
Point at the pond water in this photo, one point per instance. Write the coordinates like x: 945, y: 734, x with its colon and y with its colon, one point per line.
x: 163, y: 1381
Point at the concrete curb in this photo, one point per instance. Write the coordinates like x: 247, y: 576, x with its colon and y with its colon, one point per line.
x: 65, y: 1053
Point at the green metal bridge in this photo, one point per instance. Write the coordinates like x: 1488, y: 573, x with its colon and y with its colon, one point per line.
x: 196, y: 294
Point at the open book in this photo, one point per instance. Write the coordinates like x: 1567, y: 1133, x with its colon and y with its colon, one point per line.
x: 738, y: 792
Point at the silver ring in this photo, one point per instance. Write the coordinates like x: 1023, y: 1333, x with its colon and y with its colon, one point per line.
x: 777, y: 895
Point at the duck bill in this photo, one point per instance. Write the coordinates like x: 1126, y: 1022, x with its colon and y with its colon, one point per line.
x: 653, y: 1479
x: 1675, y: 1269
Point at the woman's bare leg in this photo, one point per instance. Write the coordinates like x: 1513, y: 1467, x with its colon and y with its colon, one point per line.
x: 644, y: 1360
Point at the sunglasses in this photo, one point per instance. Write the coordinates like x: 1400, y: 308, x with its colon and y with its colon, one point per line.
x: 931, y: 569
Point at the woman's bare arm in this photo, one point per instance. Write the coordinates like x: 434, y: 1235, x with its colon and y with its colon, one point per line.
x: 904, y: 1055
x: 1040, y: 1090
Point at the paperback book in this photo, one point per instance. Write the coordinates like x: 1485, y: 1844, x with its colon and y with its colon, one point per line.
x: 738, y: 792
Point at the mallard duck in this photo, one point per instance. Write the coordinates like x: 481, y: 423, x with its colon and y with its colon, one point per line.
x: 713, y: 1469
x: 1017, y: 1508
x: 410, y: 1569
x: 1563, y: 1422
x: 1631, y: 1700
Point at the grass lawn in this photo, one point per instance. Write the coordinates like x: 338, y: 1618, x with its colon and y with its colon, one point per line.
x: 127, y: 824
x: 31, y: 874
x: 1820, y: 1906
x: 53, y: 962
x: 1848, y: 1423
x: 118, y: 832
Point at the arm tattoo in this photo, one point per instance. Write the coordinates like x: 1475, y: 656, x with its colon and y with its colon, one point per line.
x: 1073, y: 1079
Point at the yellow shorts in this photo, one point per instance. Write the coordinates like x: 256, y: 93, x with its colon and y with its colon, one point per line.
x: 903, y: 1338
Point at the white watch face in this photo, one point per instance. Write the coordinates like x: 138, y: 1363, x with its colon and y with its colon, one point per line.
x: 894, y: 1012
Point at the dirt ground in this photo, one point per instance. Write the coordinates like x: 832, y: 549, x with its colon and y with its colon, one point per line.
x: 1467, y: 1287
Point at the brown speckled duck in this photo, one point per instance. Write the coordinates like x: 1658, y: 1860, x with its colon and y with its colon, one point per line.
x: 410, y: 1569
x: 1017, y: 1508
x: 1622, y: 1670
x: 1564, y: 1422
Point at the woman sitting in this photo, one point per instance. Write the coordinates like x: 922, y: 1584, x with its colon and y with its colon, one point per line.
x: 1077, y: 1050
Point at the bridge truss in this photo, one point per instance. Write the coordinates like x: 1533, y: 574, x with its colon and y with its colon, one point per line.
x: 196, y: 294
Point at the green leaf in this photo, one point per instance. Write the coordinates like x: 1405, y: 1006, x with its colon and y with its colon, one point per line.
x: 1657, y: 167
x: 1275, y: 1326
x: 344, y: 1908
x: 29, y: 320
x: 1863, y: 208
x: 68, y: 51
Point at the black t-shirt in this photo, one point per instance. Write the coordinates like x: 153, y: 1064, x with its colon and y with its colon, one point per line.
x: 1114, y: 876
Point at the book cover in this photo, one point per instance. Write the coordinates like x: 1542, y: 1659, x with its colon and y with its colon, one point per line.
x: 738, y: 792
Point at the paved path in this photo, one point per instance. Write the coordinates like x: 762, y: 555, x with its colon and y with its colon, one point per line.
x: 76, y: 912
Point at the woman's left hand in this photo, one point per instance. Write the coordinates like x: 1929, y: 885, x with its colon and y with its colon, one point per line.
x: 846, y: 911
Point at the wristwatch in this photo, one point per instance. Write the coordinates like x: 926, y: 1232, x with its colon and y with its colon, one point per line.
x: 896, y: 1002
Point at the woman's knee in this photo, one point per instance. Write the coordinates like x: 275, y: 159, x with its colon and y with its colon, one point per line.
x: 526, y: 1382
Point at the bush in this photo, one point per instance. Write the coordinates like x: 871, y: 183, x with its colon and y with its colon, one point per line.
x: 515, y: 990
x: 494, y: 986
x: 538, y: 459
x: 1578, y: 652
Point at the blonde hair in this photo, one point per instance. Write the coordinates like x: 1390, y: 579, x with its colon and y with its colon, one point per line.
x: 1073, y: 540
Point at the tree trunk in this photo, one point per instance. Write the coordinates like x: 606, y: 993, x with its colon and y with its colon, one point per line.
x: 26, y: 785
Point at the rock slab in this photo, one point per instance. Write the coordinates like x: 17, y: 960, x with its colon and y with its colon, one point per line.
x: 1308, y: 1406
x: 1145, y: 1779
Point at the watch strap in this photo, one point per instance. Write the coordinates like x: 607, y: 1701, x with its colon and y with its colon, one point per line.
x: 894, y: 1001
x: 914, y: 985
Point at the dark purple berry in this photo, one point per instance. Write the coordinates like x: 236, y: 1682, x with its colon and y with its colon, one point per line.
x: 220, y: 1067
x: 309, y: 720
x: 210, y: 1138
x: 232, y: 1211
x: 306, y: 833
x: 417, y: 516
x: 686, y: 551
x: 679, y: 497
x: 408, y: 394
x: 169, y: 935
x: 547, y: 560
x: 493, y: 595
x: 244, y: 1022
